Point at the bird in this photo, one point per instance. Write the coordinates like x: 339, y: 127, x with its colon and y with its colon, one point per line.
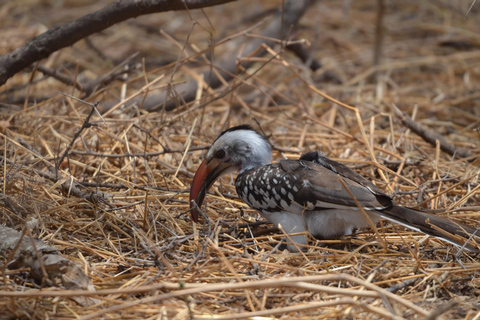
x: 311, y: 194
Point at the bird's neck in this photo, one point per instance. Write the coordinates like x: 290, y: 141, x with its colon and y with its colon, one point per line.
x: 261, y: 155
x: 254, y: 163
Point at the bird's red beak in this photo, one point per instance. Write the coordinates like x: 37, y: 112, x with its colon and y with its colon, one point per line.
x: 205, y: 176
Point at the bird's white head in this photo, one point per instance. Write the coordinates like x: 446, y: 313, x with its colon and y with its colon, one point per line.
x: 241, y: 147
x: 236, y: 149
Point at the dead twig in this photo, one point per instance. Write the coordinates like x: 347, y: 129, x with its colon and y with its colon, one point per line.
x: 86, y: 124
x: 141, y: 155
x: 401, y: 285
x: 430, y: 136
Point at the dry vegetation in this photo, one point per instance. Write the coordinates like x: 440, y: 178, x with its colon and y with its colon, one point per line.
x: 136, y: 240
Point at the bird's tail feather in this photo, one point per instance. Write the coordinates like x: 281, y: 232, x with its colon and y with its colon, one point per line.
x: 448, y: 230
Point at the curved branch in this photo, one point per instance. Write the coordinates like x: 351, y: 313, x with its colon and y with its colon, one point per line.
x: 63, y: 36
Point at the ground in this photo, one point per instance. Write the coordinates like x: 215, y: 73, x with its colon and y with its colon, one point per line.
x: 134, y: 237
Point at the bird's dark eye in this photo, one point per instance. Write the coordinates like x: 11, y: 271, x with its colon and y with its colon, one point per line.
x: 220, y: 154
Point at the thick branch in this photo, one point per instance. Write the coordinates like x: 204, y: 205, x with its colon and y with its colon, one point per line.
x: 63, y: 36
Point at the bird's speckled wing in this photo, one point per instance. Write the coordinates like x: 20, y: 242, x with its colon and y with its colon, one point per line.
x: 300, y: 185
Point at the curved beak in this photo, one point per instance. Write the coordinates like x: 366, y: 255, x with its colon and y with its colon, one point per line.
x: 206, y: 174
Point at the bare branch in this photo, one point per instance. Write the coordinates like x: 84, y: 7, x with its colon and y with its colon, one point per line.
x: 63, y: 36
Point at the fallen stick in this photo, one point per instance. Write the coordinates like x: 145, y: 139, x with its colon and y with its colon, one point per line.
x: 430, y: 136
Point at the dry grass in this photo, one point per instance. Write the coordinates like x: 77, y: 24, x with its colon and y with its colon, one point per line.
x: 137, y: 242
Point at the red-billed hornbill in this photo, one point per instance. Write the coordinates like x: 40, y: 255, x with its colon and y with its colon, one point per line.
x: 307, y: 194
